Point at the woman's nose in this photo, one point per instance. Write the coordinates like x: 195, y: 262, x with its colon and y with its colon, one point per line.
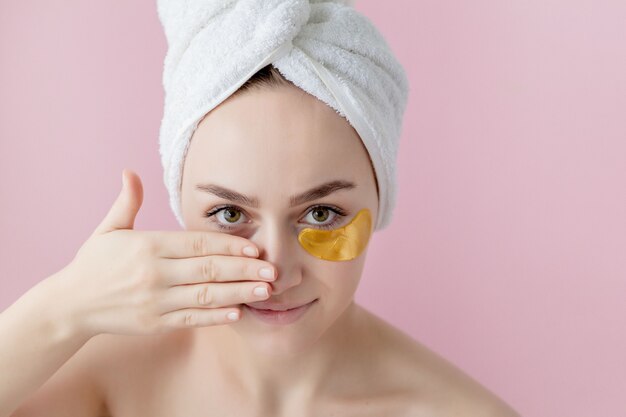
x: 279, y: 246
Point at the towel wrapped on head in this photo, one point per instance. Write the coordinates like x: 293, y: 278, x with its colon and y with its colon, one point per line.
x: 326, y: 48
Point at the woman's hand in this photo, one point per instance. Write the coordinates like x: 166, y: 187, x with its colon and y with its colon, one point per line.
x: 124, y: 281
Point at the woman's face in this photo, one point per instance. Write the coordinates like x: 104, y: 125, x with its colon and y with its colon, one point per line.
x: 269, y: 145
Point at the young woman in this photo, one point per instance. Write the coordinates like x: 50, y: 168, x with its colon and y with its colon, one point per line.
x: 126, y: 298
x: 138, y: 323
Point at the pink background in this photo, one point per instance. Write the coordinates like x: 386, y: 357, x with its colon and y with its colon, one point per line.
x: 512, y: 176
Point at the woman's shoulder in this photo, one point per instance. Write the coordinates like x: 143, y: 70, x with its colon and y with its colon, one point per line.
x: 431, y: 384
x: 121, y: 357
x: 129, y: 369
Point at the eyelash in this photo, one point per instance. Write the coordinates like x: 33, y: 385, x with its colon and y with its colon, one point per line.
x: 339, y: 215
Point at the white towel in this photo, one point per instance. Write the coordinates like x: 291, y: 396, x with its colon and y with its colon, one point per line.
x: 326, y: 48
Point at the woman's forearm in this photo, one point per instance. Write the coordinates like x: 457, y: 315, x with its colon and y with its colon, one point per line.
x: 36, y: 339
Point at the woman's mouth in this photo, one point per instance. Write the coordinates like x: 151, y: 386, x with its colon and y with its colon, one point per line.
x: 279, y: 317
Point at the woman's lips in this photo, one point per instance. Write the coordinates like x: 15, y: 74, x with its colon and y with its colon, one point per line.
x: 279, y: 317
x: 267, y: 305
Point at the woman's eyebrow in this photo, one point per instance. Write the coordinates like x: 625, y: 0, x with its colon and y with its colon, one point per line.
x: 295, y: 200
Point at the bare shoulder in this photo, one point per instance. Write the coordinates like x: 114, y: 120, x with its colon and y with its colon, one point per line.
x: 432, y: 385
x: 82, y: 385
x: 118, y: 360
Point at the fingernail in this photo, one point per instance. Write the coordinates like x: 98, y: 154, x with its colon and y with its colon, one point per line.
x: 266, y: 272
x: 250, y: 251
x: 261, y: 292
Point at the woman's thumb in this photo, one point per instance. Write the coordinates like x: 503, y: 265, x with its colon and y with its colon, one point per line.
x: 125, y: 208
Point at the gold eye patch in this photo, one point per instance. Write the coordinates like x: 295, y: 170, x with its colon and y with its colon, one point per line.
x: 341, y: 244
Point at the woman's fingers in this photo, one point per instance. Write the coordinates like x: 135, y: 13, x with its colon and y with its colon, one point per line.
x: 187, y: 244
x: 211, y: 296
x: 213, y: 268
x: 197, y: 317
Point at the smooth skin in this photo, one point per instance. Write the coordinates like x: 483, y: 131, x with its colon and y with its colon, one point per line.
x: 129, y: 352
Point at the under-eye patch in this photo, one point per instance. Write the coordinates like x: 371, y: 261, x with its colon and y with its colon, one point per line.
x: 341, y: 244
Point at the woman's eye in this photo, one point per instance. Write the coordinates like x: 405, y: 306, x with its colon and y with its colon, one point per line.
x: 230, y: 215
x: 225, y: 216
x: 319, y: 217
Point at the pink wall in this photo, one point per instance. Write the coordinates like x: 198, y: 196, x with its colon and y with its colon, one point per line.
x: 512, y: 174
